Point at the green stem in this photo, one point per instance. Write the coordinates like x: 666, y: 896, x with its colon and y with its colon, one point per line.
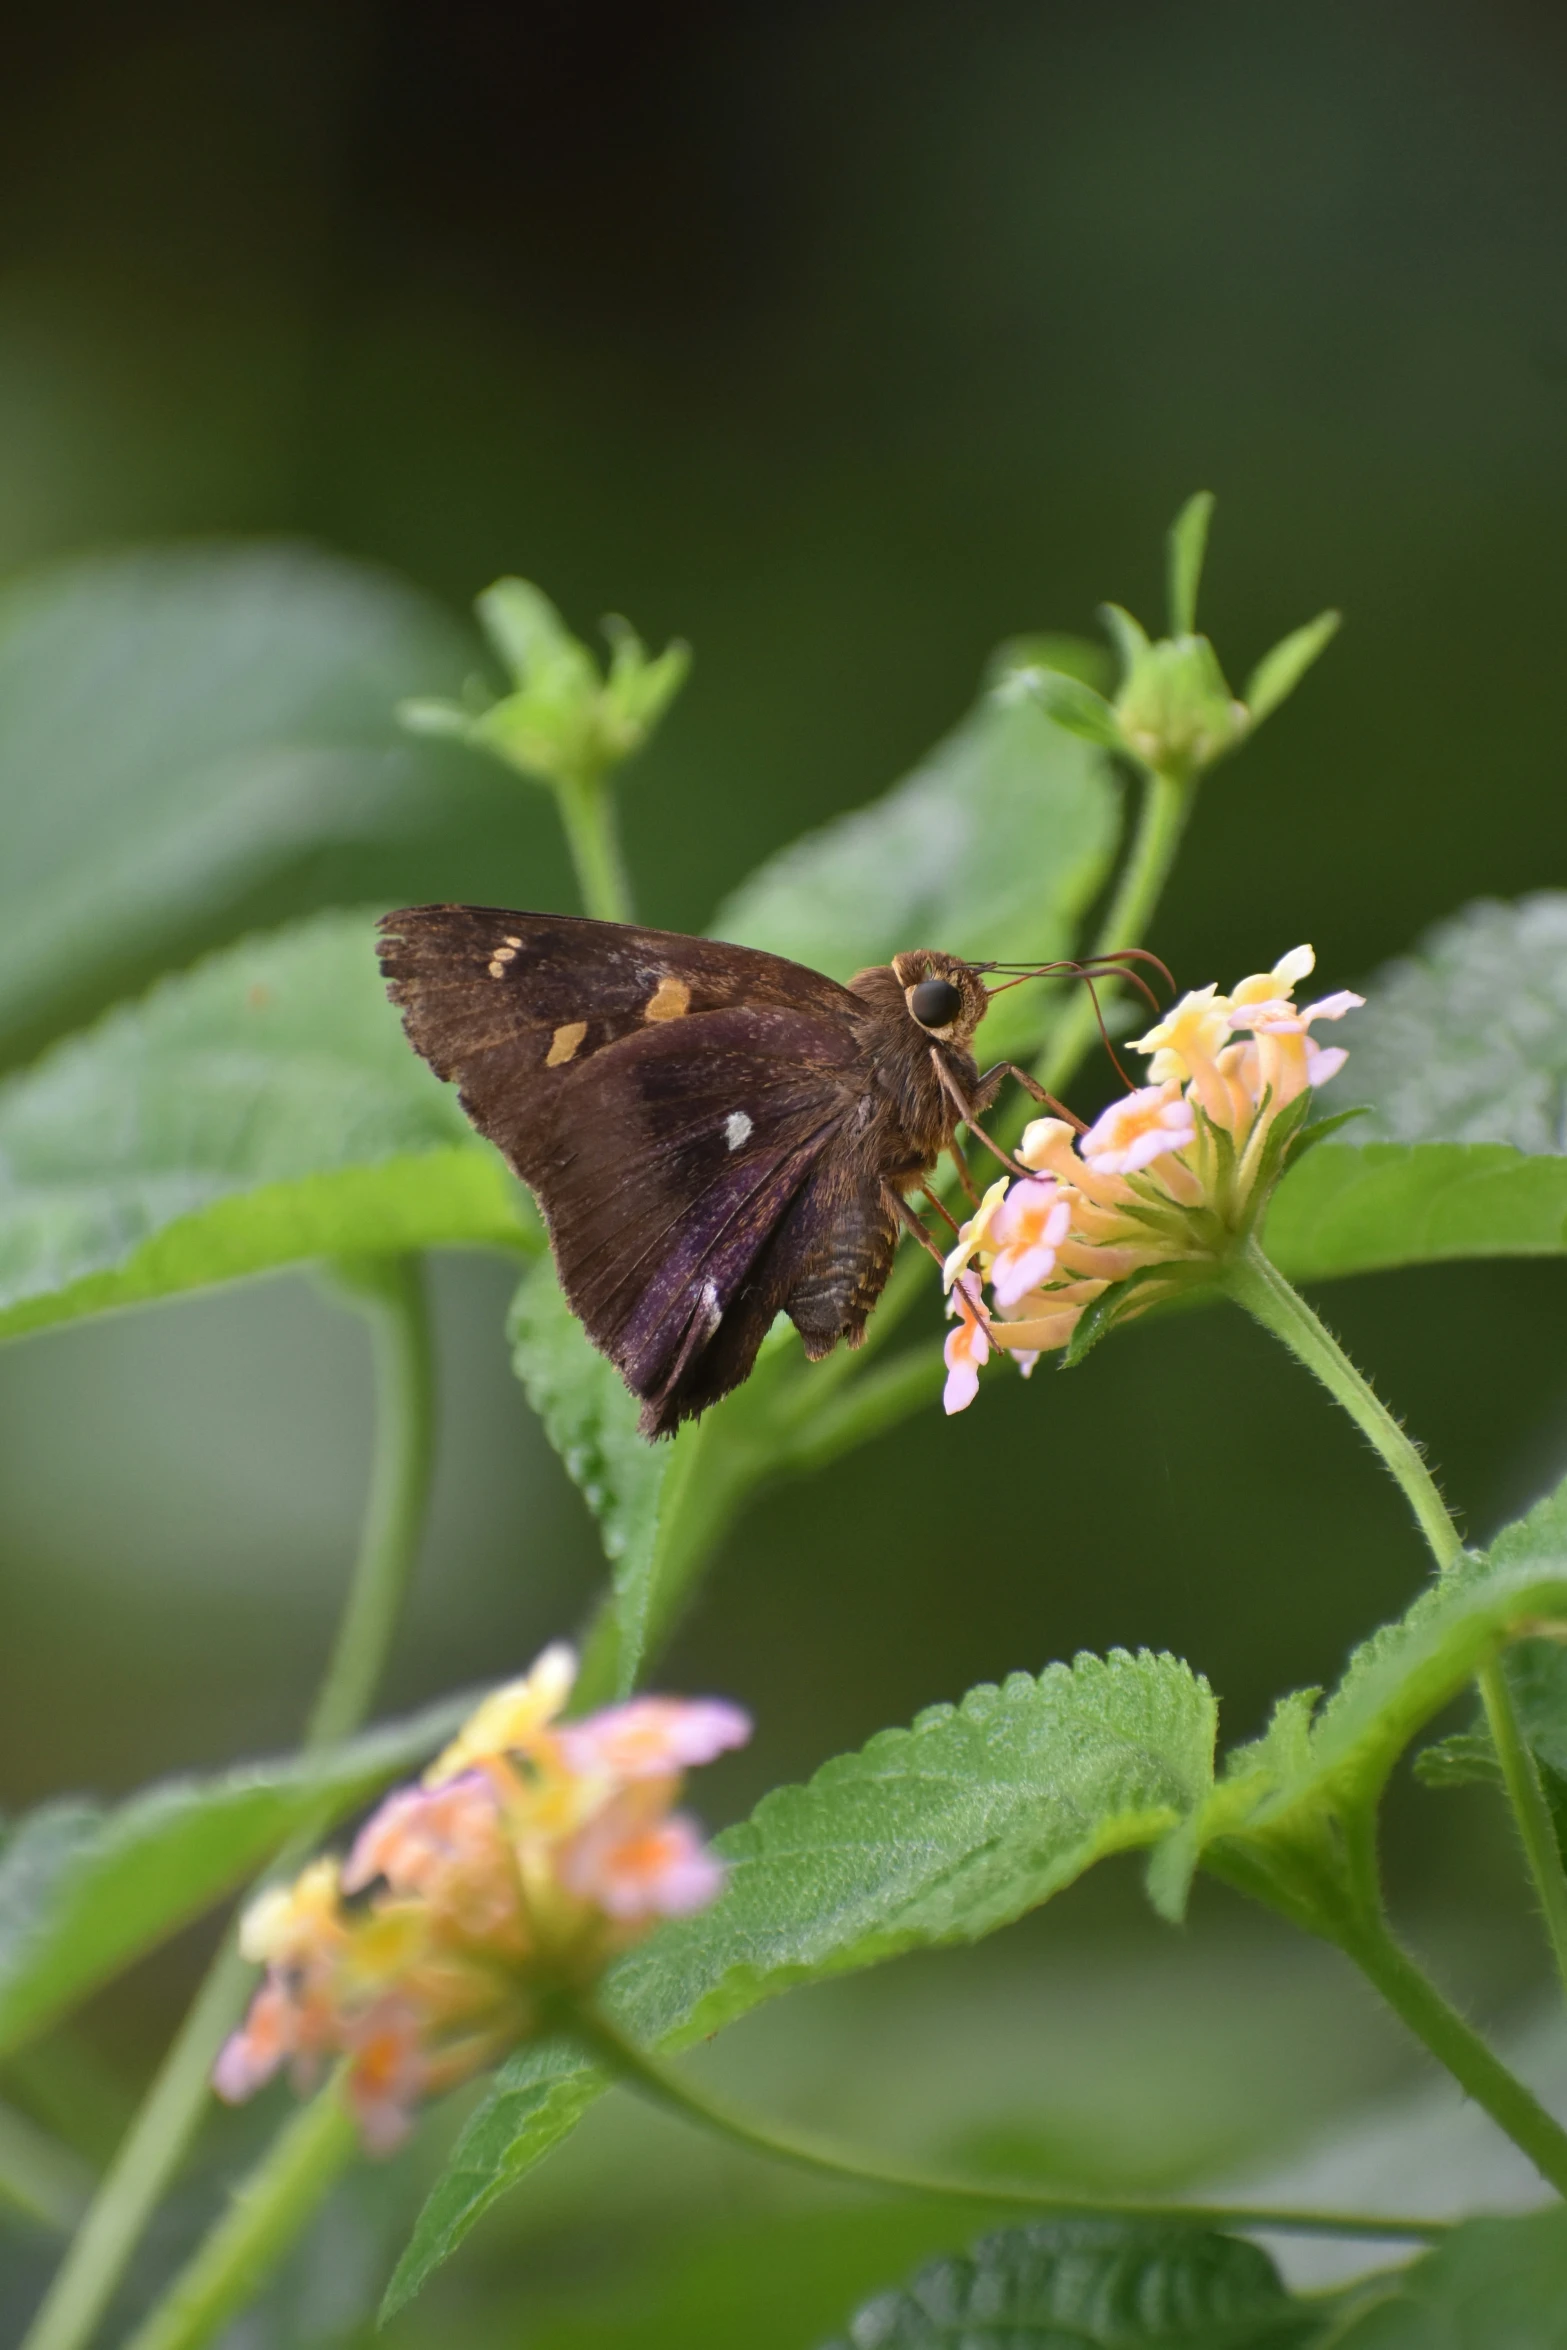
x: 622, y: 2057
x: 45, y: 2181
x: 1161, y: 821
x: 266, y: 2213
x: 1536, y: 1830
x: 390, y: 1293
x: 588, y: 813
x: 392, y: 1296
x: 702, y: 1489
x: 1261, y: 1288
x: 1416, y: 1999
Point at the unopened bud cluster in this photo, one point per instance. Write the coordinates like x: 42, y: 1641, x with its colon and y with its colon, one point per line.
x: 566, y: 719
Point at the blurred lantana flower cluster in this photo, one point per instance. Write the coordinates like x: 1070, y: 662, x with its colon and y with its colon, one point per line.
x: 1157, y: 1192
x: 532, y: 1851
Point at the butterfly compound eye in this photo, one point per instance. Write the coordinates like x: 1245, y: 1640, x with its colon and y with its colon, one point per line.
x: 935, y: 1003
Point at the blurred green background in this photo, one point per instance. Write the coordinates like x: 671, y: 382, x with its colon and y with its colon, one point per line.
x: 844, y: 342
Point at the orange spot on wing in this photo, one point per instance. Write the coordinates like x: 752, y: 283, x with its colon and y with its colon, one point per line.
x: 564, y: 1043
x: 669, y: 1000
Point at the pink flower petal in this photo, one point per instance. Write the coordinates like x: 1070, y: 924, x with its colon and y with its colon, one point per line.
x: 633, y: 1868
x: 1333, y: 1007
x: 1018, y: 1270
x: 653, y: 1736
x: 1323, y: 1062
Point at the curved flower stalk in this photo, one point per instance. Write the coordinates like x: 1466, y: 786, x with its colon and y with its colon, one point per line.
x: 1155, y: 1196
x: 530, y: 1854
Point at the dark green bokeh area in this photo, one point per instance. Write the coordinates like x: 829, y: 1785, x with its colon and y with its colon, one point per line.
x: 844, y: 342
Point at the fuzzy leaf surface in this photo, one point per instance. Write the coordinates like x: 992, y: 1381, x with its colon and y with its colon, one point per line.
x: 1090, y: 2285
x: 937, y: 1834
x: 1337, y: 1759
x: 994, y: 847
x: 178, y: 725
x: 1465, y: 1040
x: 1460, y: 1057
x: 86, y: 1889
x: 1348, y: 1209
x: 590, y: 1417
x: 263, y: 1109
x: 1493, y: 2284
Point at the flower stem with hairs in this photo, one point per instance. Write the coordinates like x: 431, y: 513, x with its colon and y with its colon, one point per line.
x: 390, y: 1293
x: 620, y: 2056
x: 1257, y: 1284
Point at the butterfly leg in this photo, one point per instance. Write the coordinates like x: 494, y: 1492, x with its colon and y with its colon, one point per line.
x: 964, y: 1175
x: 941, y: 1207
x: 955, y: 1095
x: 899, y: 1207
x: 905, y: 1214
x: 1031, y: 1085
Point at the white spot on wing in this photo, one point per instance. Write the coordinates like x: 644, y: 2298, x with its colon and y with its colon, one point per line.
x: 737, y: 1129
x: 715, y: 1312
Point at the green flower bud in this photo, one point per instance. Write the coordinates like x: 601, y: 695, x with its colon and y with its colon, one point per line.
x: 567, y: 720
x: 1175, y: 711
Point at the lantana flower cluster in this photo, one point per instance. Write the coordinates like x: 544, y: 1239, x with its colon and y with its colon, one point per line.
x: 533, y: 1851
x: 1159, y: 1189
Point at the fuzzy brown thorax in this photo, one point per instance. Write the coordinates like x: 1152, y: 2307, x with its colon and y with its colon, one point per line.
x: 905, y: 1048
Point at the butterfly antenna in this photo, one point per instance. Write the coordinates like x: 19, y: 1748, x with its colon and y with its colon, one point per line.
x: 1100, y: 970
x: 1104, y: 1034
x: 1117, y: 964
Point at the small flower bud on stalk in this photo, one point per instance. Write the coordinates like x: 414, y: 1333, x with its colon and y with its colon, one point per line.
x: 1174, y: 714
x: 531, y: 1853
x: 565, y: 719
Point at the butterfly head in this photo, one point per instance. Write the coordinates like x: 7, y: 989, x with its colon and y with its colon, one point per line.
x: 945, y: 996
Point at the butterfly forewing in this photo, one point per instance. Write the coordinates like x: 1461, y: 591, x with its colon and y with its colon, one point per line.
x: 672, y: 1101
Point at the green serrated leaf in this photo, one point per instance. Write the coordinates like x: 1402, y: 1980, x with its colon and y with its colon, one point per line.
x: 1280, y: 671
x: 1465, y: 1040
x: 994, y: 847
x: 1280, y: 1757
x: 1466, y: 1759
x: 261, y: 1110
x: 590, y: 1417
x: 1093, y: 2285
x: 1187, y: 545
x: 1334, y: 1764
x: 1460, y: 1057
x: 938, y: 1834
x: 84, y: 1891
x: 1366, y: 1208
x: 1493, y: 2284
x: 178, y: 725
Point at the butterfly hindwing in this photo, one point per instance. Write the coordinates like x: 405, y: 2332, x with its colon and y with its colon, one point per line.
x: 677, y: 1158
